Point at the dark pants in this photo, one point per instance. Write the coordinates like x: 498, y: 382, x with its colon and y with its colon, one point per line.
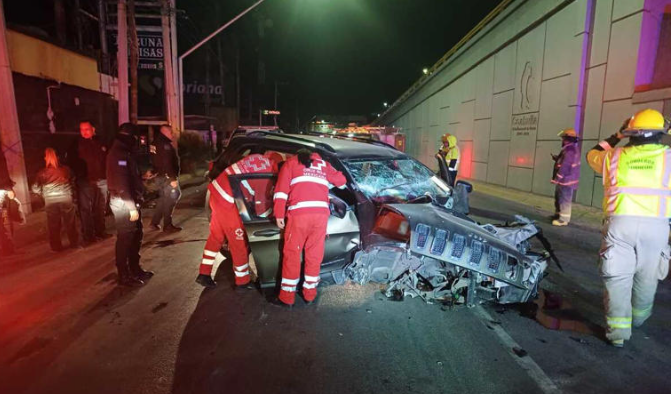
x: 92, y: 206
x: 563, y: 202
x: 61, y: 210
x: 6, y: 242
x: 129, y: 238
x: 168, y: 197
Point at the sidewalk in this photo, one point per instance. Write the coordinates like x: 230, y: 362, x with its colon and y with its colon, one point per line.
x: 35, y: 229
x: 582, y: 215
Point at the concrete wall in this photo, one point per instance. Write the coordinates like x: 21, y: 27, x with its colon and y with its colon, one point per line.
x: 509, y: 91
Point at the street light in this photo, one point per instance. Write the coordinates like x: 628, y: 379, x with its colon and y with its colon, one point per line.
x: 385, y: 104
x: 195, y: 47
x: 425, y: 71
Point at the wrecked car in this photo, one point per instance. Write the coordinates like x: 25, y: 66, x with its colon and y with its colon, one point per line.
x: 396, y: 223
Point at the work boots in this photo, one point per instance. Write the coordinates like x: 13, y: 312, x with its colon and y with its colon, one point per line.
x: 205, y: 281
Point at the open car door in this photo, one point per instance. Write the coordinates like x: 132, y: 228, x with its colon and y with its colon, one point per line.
x: 253, y: 194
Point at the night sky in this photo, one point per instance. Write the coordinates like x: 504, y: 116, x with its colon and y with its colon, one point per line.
x: 348, y: 56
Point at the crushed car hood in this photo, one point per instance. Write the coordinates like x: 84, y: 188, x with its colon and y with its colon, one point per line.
x: 438, y: 234
x: 443, y: 245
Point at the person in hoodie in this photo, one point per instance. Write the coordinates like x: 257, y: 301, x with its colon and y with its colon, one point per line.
x: 55, y: 184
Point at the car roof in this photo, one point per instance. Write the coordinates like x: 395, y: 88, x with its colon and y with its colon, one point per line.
x: 344, y: 149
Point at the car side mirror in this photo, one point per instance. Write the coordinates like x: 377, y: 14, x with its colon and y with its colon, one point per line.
x: 467, y: 186
x: 337, y: 207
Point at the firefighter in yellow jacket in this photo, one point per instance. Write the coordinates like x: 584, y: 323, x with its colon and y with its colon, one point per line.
x: 451, y: 154
x: 636, y: 229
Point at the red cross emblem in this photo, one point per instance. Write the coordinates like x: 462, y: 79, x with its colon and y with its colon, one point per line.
x: 257, y: 163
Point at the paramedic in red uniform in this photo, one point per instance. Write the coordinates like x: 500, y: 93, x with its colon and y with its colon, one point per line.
x: 302, y: 191
x: 226, y: 223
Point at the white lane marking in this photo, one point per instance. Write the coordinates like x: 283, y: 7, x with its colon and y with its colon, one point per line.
x: 527, y: 363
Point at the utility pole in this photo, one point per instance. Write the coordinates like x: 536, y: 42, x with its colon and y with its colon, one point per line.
x: 10, y: 133
x: 133, y: 61
x: 169, y: 67
x: 177, y: 88
x: 122, y: 61
x: 102, y: 26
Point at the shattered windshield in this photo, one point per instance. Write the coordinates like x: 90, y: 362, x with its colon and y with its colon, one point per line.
x: 390, y: 180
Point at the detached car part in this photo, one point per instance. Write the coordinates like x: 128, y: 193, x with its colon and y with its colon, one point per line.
x: 423, y: 250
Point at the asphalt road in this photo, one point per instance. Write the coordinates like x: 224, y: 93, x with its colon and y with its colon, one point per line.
x: 66, y: 328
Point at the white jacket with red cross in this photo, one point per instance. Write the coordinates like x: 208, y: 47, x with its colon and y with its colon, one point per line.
x: 302, y: 190
x: 221, y: 195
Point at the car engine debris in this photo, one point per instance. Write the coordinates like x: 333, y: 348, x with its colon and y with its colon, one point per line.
x: 420, y: 250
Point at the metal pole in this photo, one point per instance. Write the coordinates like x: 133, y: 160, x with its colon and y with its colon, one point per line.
x: 195, y: 47
x: 102, y: 22
x: 122, y: 61
x: 133, y: 35
x: 176, y: 83
x: 10, y: 133
x: 169, y: 76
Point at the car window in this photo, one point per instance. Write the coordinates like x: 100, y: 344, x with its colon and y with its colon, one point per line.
x: 395, y: 180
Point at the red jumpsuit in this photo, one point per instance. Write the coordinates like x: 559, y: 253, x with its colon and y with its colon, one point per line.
x: 226, y: 223
x: 304, y: 194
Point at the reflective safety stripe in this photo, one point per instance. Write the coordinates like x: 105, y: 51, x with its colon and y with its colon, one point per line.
x: 642, y: 191
x: 290, y: 281
x: 208, y: 261
x: 666, y: 169
x: 311, y: 278
x: 290, y: 289
x: 266, y: 214
x: 241, y: 274
x: 221, y: 192
x: 605, y: 145
x: 235, y: 168
x: 242, y: 267
x: 280, y: 195
x: 642, y: 312
x: 247, y: 187
x: 307, y: 178
x: 307, y: 285
x: 619, y: 322
x: 209, y: 253
x: 309, y: 204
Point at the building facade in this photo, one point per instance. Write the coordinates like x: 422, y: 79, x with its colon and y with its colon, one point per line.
x: 534, y: 69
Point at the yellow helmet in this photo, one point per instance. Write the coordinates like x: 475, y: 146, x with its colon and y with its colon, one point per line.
x: 646, y: 122
x: 571, y: 133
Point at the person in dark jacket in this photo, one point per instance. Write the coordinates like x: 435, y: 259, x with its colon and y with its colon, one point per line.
x: 167, y: 166
x: 566, y: 176
x: 6, y: 193
x: 55, y: 184
x: 126, y: 189
x: 88, y: 164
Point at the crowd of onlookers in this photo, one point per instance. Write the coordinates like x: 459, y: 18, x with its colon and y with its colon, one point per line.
x: 74, y: 183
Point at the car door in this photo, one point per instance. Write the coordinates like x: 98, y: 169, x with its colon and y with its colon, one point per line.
x: 265, y: 238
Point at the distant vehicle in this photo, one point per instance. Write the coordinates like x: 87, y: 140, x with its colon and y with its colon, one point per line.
x: 245, y: 130
x: 394, y: 211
